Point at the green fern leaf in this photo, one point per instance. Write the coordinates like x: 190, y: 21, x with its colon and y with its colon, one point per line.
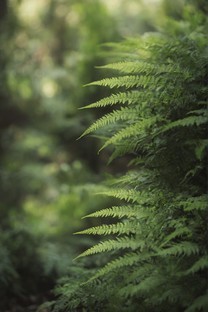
x: 183, y: 248
x: 199, y: 304
x: 180, y: 232
x: 128, y: 195
x: 115, y: 116
x: 186, y: 122
x: 200, y: 264
x: 126, y: 81
x: 130, y: 97
x: 142, y: 67
x: 144, y: 287
x: 128, y: 260
x: 195, y: 203
x: 118, y: 244
x: 131, y: 131
x: 117, y: 228
x: 120, y: 212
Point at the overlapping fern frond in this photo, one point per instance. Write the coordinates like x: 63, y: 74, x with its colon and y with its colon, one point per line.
x: 121, y: 211
x: 159, y: 243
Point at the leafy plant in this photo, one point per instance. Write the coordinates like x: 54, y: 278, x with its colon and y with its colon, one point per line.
x: 159, y: 259
x: 156, y: 254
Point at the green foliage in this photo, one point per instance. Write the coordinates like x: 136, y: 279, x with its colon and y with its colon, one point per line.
x: 47, y: 50
x: 152, y: 110
x: 159, y: 253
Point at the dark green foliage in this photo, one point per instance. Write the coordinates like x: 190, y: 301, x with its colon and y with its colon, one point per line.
x: 150, y: 243
x: 21, y: 269
x: 160, y: 251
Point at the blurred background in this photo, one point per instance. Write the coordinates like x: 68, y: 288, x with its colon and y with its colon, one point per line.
x: 48, y: 50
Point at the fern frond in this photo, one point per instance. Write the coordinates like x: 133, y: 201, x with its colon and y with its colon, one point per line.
x: 134, y: 178
x: 180, y: 232
x: 116, y: 228
x: 195, y: 203
x: 182, y: 248
x: 117, y: 244
x: 202, y: 112
x: 124, y: 149
x: 120, y: 212
x: 201, y: 147
x: 142, y: 67
x: 128, y: 260
x: 144, y: 269
x: 129, y: 97
x: 128, y: 195
x: 144, y: 287
x: 131, y: 131
x: 126, y: 81
x: 199, y: 265
x: 117, y: 115
x: 131, y: 67
x: 199, y: 304
x: 189, y: 121
x: 172, y: 295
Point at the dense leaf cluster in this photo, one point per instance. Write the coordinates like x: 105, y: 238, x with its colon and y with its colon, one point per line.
x: 159, y: 251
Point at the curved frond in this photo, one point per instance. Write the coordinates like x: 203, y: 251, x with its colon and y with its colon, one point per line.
x: 120, y: 212
x: 195, y: 203
x: 180, y: 232
x: 142, y: 67
x: 117, y: 244
x: 199, y: 265
x: 126, y: 81
x: 129, y: 97
x: 128, y: 260
x: 189, y: 121
x: 117, y: 115
x: 117, y: 228
x: 182, y: 248
x: 129, y: 195
x: 199, y: 304
x: 134, y: 130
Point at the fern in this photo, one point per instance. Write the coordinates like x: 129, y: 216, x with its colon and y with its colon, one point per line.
x: 180, y: 232
x: 126, y: 81
x: 183, y: 248
x: 130, y: 97
x: 200, y: 304
x: 121, y: 211
x: 158, y: 246
x: 142, y: 67
x: 131, y: 131
x: 118, y: 244
x: 115, y: 116
x: 187, y: 122
x: 117, y: 228
x: 195, y: 203
x: 128, y: 260
x: 199, y: 265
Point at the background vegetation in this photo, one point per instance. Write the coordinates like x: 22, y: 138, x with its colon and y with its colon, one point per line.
x: 48, y: 179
